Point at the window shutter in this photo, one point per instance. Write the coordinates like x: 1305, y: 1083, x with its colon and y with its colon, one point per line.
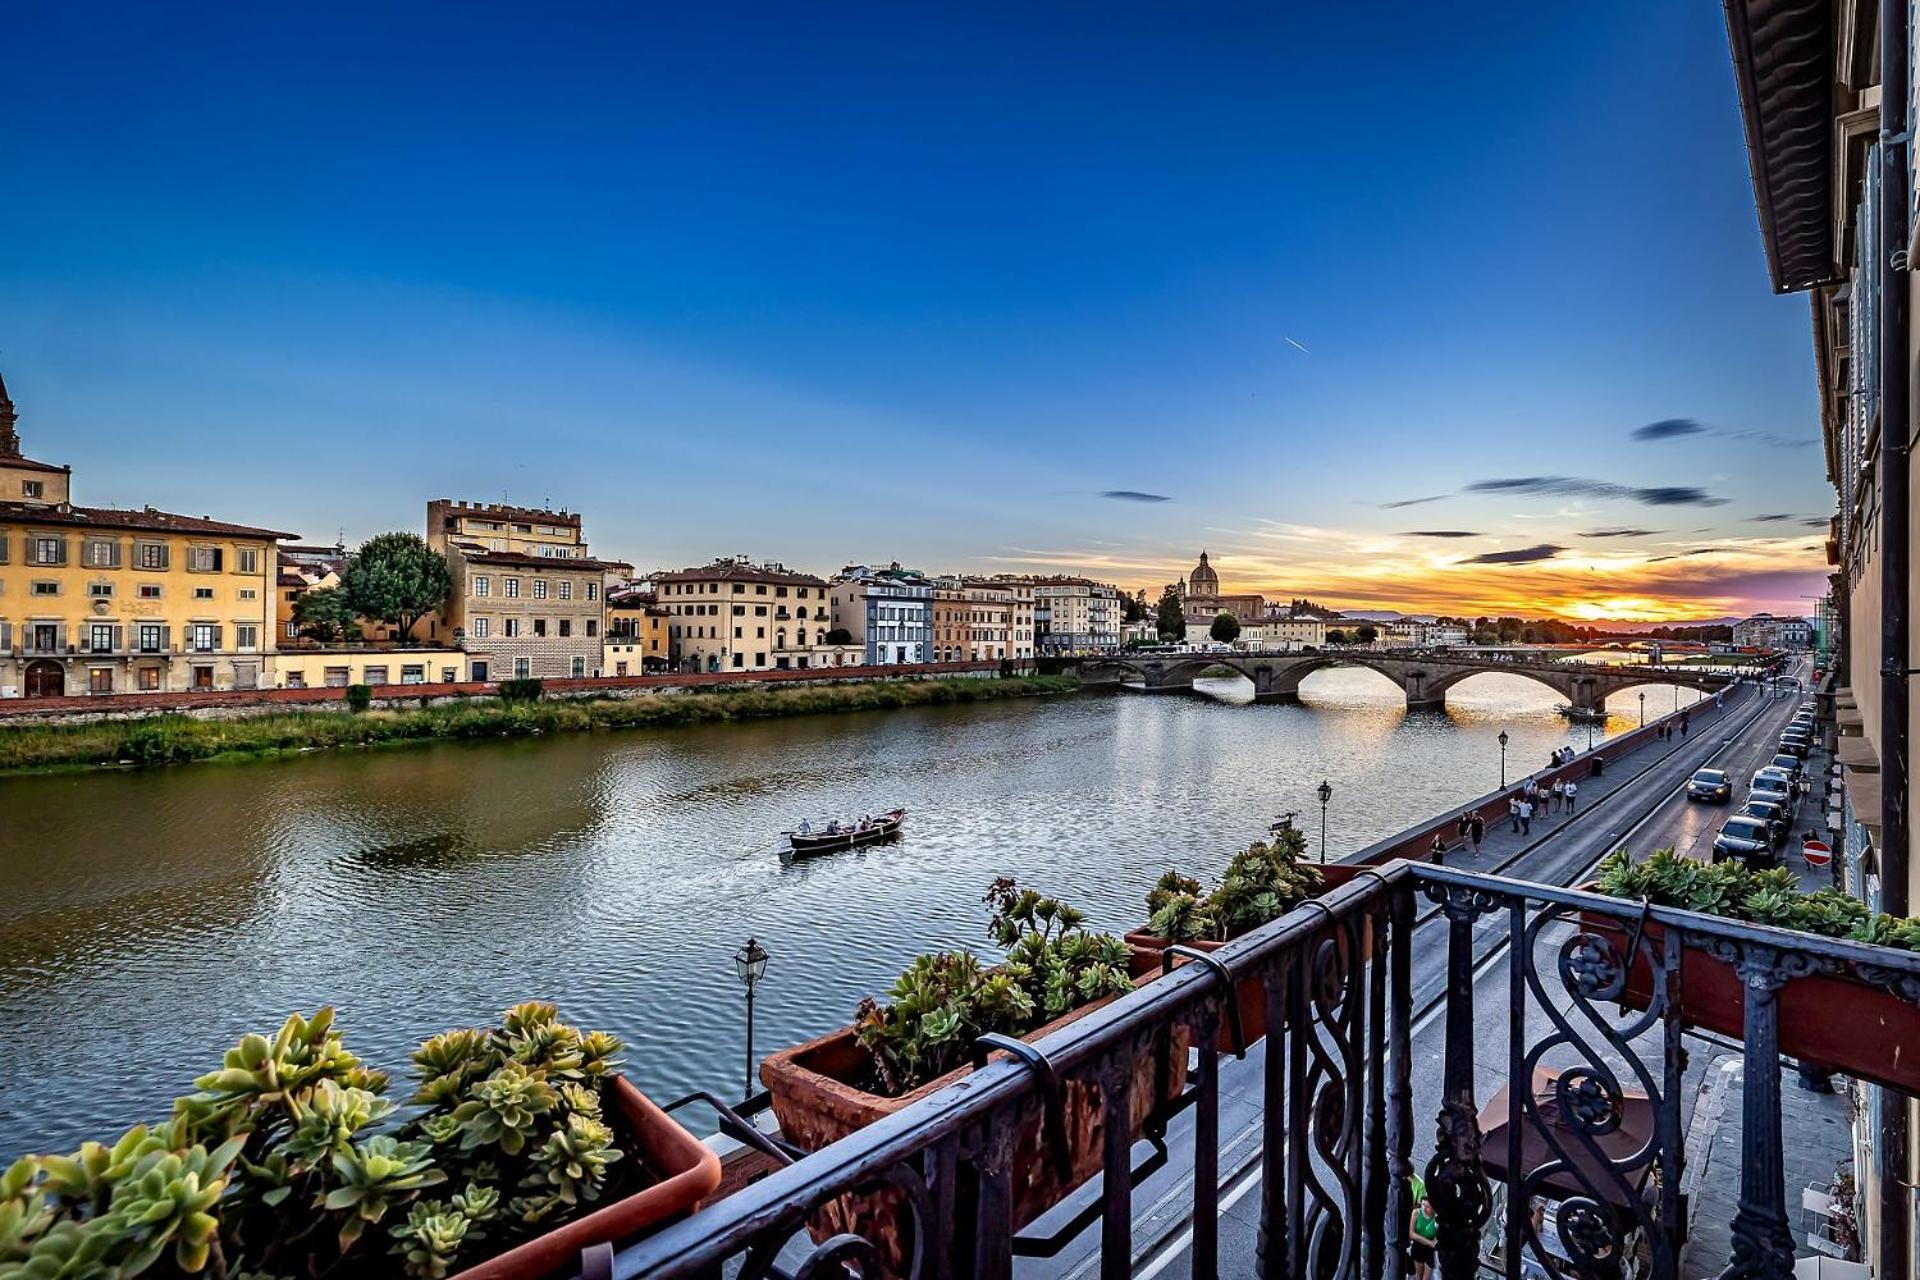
x: 119, y: 637
x: 216, y: 638
x: 166, y: 641
x: 63, y: 551
x: 6, y: 635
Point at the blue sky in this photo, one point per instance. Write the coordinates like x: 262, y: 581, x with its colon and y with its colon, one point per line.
x: 861, y: 282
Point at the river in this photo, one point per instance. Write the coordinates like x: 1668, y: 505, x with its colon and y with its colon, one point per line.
x: 148, y: 919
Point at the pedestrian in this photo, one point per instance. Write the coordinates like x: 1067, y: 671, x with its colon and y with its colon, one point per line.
x: 1513, y: 812
x: 1424, y: 1227
x: 1559, y: 796
x: 1437, y: 851
x: 1526, y: 817
x: 1573, y: 791
x: 1477, y: 831
x: 1683, y: 726
x: 1466, y: 824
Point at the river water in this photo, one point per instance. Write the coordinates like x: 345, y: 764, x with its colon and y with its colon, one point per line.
x: 148, y: 919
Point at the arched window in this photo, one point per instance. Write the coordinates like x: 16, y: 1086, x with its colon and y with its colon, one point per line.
x: 801, y: 613
x: 780, y: 639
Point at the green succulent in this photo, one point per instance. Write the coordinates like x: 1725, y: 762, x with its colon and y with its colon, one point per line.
x: 575, y: 1157
x: 445, y: 1063
x: 478, y: 1204
x: 276, y: 1077
x: 70, y: 1250
x: 375, y: 1174
x: 167, y: 1199
x: 1261, y: 883
x: 332, y: 1118
x: 430, y: 1239
x: 504, y: 1109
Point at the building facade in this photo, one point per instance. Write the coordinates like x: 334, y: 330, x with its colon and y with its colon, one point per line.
x: 1765, y: 631
x: 100, y: 600
x: 887, y: 612
x: 1074, y: 615
x: 735, y: 615
x: 1201, y: 597
x: 637, y: 640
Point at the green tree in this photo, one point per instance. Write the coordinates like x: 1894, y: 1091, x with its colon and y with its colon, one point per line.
x: 1366, y: 633
x: 397, y: 578
x: 1172, y: 616
x: 1225, y: 628
x: 839, y: 635
x: 1132, y: 608
x: 1336, y: 636
x: 324, y: 615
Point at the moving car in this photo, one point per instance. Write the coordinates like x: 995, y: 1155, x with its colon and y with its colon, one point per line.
x: 1711, y: 785
x: 1746, y: 838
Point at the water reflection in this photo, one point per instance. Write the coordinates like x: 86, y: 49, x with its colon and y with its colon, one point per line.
x: 148, y: 919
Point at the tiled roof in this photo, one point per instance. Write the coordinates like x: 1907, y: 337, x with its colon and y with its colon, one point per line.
x: 734, y: 571
x: 520, y: 560
x: 30, y: 465
x: 145, y: 520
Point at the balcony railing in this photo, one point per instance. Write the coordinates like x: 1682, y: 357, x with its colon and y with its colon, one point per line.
x: 1347, y: 982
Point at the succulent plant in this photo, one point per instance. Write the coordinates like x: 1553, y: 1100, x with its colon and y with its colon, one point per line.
x: 430, y: 1239
x: 1261, y: 883
x: 575, y: 1157
x: 504, y: 1109
x: 375, y: 1174
x: 167, y: 1199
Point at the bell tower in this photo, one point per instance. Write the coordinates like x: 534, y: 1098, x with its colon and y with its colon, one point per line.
x: 9, y: 424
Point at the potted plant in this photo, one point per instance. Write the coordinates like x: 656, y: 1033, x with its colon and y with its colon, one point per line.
x: 1261, y: 883
x: 1838, y: 1022
x: 523, y: 1146
x: 921, y: 1040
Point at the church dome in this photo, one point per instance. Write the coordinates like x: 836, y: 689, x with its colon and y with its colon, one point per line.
x: 1203, y: 581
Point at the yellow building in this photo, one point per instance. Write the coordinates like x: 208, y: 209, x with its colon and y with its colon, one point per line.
x: 733, y: 615
x: 637, y: 641
x: 100, y: 600
x: 362, y: 664
x: 949, y: 621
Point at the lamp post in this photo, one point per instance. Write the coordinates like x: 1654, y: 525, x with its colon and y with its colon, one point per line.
x: 1643, y: 708
x: 750, y: 962
x: 1326, y: 794
x: 1503, y: 759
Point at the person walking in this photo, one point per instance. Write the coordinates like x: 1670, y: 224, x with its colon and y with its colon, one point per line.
x: 1683, y: 726
x: 1573, y: 791
x: 1559, y: 796
x: 1477, y: 831
x: 1513, y: 812
x: 1526, y: 817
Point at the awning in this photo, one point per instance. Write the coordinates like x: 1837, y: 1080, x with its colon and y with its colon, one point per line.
x: 1783, y: 66
x: 1538, y: 1150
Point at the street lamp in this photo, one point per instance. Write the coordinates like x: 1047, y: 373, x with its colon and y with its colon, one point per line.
x: 1503, y: 759
x: 1326, y: 794
x: 750, y: 962
x: 1643, y: 708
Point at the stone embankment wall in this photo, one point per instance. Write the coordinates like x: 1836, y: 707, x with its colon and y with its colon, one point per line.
x: 243, y: 703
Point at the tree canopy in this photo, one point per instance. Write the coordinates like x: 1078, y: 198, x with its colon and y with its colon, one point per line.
x: 1336, y: 636
x: 397, y: 578
x: 1225, y: 628
x: 323, y: 614
x: 1366, y: 633
x: 1172, y: 616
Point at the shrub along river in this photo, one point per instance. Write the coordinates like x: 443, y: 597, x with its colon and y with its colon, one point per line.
x: 148, y: 919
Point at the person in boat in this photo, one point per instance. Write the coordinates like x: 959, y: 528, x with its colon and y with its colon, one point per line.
x: 806, y: 826
x: 833, y: 827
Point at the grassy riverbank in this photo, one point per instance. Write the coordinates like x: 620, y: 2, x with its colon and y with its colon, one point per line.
x: 176, y: 739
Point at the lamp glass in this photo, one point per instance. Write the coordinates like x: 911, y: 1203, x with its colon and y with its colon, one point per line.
x: 1326, y: 792
x: 750, y: 962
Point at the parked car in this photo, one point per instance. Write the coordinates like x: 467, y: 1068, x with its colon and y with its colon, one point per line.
x: 1798, y: 743
x: 1791, y: 763
x: 1773, y: 776
x: 1778, y: 817
x: 1747, y: 838
x: 1711, y: 785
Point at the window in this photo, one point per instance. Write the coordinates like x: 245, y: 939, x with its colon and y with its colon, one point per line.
x: 510, y: 628
x: 522, y: 668
x: 540, y: 626
x: 206, y: 637
x: 32, y: 489
x: 338, y: 677
x: 566, y: 626
x: 579, y: 666
x: 203, y: 593
x: 100, y: 680
x: 203, y: 678
x: 149, y: 591
x: 413, y: 674
x: 619, y: 668
x: 150, y: 679
x: 246, y: 635
x: 47, y: 551
x: 482, y: 585
x: 293, y: 631
x: 375, y: 675
x: 539, y: 588
x: 152, y: 637
x: 100, y: 638
x: 593, y: 591
x: 153, y: 555
x: 249, y: 593
x: 480, y: 628
x: 100, y: 590
x: 513, y: 588
x: 737, y: 659
x: 205, y: 559
x: 102, y: 553
x: 249, y: 560
x: 46, y: 588
x: 566, y: 590
x: 739, y: 611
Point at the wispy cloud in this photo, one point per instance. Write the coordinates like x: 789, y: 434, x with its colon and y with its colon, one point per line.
x: 1554, y: 486
x: 1525, y: 555
x: 1775, y: 517
x: 1412, y: 502
x: 1133, y: 495
x: 1441, y: 533
x: 1681, y: 428
x: 1300, y: 345
x: 1817, y: 522
x: 1683, y: 555
x: 1621, y: 533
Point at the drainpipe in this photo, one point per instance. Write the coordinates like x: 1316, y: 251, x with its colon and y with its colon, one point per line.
x: 1895, y: 1212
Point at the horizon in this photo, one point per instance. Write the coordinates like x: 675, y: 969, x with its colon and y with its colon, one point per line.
x: 944, y: 288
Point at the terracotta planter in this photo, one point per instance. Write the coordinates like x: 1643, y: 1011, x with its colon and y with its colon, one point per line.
x: 816, y: 1104
x: 1250, y: 993
x: 1833, y: 1022
x: 684, y: 1172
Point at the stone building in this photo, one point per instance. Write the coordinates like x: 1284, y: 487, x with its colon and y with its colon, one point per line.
x: 888, y: 612
x: 1203, y: 600
x: 735, y: 615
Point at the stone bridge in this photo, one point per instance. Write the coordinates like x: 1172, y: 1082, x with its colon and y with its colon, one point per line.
x: 1423, y: 677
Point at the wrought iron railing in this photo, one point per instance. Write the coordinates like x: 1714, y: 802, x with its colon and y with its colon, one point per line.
x: 1337, y: 980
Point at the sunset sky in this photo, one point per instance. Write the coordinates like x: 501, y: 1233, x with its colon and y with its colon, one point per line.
x: 1424, y: 307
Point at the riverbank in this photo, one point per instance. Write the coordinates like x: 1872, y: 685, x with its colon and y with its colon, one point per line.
x: 177, y: 739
